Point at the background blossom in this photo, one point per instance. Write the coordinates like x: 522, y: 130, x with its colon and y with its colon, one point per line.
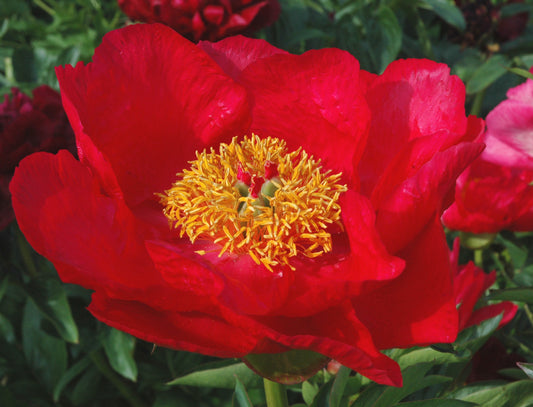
x: 28, y: 125
x: 205, y: 19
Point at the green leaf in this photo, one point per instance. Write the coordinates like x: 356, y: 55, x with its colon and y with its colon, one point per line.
x: 447, y: 11
x: 509, y: 10
x: 240, y: 395
x: 223, y: 378
x: 492, y: 69
x: 437, y: 402
x: 6, y: 330
x: 119, y: 347
x: 309, y: 391
x: 70, y: 375
x: 428, y: 355
x: 389, y: 35
x: 48, y: 294
x: 521, y: 72
x: 513, y: 294
x: 339, y: 384
x: 46, y: 355
x: 3, y: 286
x: 24, y: 65
x: 322, y: 398
x: 527, y: 368
x: 511, y: 395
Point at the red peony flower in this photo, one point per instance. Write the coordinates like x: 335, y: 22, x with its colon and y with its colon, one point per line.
x: 490, y: 198
x: 495, y: 192
x: 28, y: 125
x: 207, y: 19
x: 470, y: 282
x: 252, y: 156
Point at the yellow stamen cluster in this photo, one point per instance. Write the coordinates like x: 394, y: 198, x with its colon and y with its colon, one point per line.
x: 206, y: 204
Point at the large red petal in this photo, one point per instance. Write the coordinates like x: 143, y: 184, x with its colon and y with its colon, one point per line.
x: 334, y: 277
x: 233, y: 54
x: 413, y: 202
x: 418, y: 307
x: 412, y: 98
x: 233, y: 281
x: 93, y: 240
x: 338, y: 334
x: 204, y: 333
x: 148, y: 101
x: 312, y: 101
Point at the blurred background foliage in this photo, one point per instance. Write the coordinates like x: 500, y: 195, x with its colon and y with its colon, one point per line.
x: 54, y: 353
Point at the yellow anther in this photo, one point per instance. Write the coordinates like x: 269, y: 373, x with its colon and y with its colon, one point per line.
x: 291, y: 220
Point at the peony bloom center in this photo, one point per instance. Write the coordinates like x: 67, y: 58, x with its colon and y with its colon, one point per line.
x: 254, y: 197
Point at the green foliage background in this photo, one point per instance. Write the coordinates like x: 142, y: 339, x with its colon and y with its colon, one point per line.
x: 54, y: 353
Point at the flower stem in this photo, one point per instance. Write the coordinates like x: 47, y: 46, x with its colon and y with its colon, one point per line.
x: 99, y: 361
x: 478, y: 103
x: 276, y: 395
x: 478, y: 257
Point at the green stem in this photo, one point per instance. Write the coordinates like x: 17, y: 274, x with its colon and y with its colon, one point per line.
x: 478, y: 258
x: 478, y: 102
x: 100, y: 363
x: 45, y: 7
x: 276, y: 395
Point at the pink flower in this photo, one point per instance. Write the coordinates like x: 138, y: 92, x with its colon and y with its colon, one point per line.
x: 495, y: 192
x: 509, y: 136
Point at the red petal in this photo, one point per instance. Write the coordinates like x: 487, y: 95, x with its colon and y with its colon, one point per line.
x: 411, y: 99
x: 236, y: 282
x: 312, y: 101
x: 233, y: 54
x: 148, y: 108
x: 413, y: 203
x: 92, y: 239
x: 418, y: 307
x: 508, y: 309
x: 338, y: 334
x: 208, y: 334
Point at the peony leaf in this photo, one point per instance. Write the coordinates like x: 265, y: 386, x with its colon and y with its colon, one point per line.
x: 119, y: 347
x: 46, y: 355
x: 414, y: 379
x: 521, y: 72
x: 223, y: 377
x: 428, y: 355
x: 6, y: 330
x: 70, y: 375
x: 48, y: 294
x: 513, y: 294
x: 339, y: 384
x: 486, y: 74
x: 447, y: 11
x: 309, y: 391
x: 437, y: 402
x: 518, y: 393
x: 527, y: 368
x: 240, y: 395
x: 390, y: 35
